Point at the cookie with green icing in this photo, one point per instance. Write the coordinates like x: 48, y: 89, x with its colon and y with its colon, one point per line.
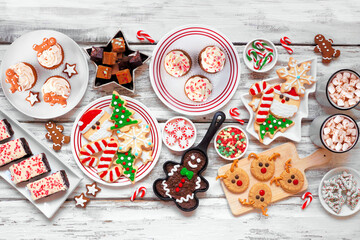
x: 271, y: 126
x: 127, y: 162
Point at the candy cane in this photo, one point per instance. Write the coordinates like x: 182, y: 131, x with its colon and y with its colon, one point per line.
x: 141, y: 35
x: 86, y: 153
x: 285, y: 41
x: 107, y: 156
x: 260, y: 45
x: 309, y: 197
x: 141, y: 190
x: 235, y: 114
x: 259, y: 87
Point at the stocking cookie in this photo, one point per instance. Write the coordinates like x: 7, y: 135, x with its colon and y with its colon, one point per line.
x: 324, y: 46
x: 259, y: 197
x: 235, y: 179
x: 55, y: 135
x: 295, y: 76
x: 263, y: 167
x: 291, y: 180
x: 94, y: 125
x: 183, y: 181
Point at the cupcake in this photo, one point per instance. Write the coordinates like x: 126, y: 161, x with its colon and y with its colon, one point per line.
x: 56, y: 90
x: 21, y: 76
x: 212, y: 59
x: 198, y: 88
x: 50, y: 54
x: 177, y: 63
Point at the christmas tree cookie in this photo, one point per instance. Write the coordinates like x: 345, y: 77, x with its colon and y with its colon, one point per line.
x: 271, y: 126
x: 121, y: 115
x: 127, y: 162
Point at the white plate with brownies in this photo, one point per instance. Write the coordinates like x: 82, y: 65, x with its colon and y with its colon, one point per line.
x: 44, y: 74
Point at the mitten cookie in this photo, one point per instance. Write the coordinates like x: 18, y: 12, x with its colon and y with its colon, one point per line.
x: 55, y: 135
x: 324, y: 46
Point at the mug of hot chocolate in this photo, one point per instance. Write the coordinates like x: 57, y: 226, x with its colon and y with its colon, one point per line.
x: 337, y: 133
x: 341, y: 91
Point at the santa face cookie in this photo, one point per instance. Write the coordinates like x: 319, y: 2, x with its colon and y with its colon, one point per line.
x: 284, y: 105
x: 263, y: 167
x: 94, y: 124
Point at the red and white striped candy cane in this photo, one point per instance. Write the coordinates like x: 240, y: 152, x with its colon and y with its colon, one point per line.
x: 107, y: 156
x: 259, y: 87
x: 263, y: 45
x: 285, y: 41
x: 111, y: 175
x: 141, y: 35
x: 235, y: 114
x: 141, y: 190
x: 309, y: 197
x: 87, y: 151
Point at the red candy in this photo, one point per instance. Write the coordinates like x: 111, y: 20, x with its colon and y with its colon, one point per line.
x: 263, y: 170
x: 239, y: 183
x: 262, y: 192
x: 296, y: 182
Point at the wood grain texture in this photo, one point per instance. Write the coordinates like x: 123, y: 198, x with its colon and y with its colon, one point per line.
x: 111, y: 215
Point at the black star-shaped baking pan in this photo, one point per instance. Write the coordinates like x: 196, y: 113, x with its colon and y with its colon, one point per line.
x: 129, y: 59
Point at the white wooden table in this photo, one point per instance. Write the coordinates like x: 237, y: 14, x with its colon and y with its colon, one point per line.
x: 111, y: 215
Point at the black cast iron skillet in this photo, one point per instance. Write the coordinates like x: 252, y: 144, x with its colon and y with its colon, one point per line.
x: 217, y: 121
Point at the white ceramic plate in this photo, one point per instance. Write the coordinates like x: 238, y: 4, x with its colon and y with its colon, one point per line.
x: 193, y: 39
x: 21, y: 51
x: 293, y: 133
x: 345, y: 210
x: 141, y: 112
x: 49, y: 205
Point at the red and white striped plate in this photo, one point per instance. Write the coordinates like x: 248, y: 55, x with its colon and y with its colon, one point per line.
x: 193, y: 39
x: 141, y: 112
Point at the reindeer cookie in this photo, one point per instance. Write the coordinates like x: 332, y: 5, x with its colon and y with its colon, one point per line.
x: 263, y: 167
x: 291, y: 180
x: 324, y: 46
x: 55, y: 135
x: 235, y: 179
x: 259, y: 197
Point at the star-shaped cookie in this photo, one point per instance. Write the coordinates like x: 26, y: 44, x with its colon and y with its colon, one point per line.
x: 295, y: 76
x: 33, y: 98
x: 70, y: 69
x: 92, y: 189
x: 81, y: 201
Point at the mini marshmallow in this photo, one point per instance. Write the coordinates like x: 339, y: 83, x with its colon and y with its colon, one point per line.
x: 326, y: 131
x: 338, y: 147
x: 338, y: 119
x: 331, y: 88
x: 340, y: 103
x: 346, y: 75
x: 342, y: 89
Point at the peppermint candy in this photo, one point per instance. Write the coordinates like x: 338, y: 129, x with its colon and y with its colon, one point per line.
x: 179, y: 133
x: 180, y: 123
x: 183, y: 142
x: 171, y: 140
x: 170, y: 128
x: 189, y: 132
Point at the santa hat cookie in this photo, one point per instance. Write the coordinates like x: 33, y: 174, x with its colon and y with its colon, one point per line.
x: 94, y: 124
x: 89, y: 119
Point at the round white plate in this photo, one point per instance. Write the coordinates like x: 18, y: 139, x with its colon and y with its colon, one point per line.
x: 141, y: 112
x: 193, y: 39
x: 21, y: 51
x: 345, y: 210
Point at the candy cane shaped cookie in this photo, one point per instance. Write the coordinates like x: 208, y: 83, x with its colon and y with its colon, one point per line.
x: 266, y: 99
x: 111, y: 175
x: 87, y: 151
x: 107, y: 156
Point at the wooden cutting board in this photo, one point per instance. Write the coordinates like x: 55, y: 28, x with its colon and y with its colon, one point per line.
x: 287, y: 151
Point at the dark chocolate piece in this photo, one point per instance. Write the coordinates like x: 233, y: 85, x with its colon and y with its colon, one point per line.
x: 124, y: 63
x: 26, y: 147
x: 65, y: 178
x: 96, y: 54
x: 135, y: 60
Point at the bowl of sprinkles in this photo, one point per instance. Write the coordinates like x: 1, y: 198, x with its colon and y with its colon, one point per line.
x: 260, y: 55
x: 231, y: 142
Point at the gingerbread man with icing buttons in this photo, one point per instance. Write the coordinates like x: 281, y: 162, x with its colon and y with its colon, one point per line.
x: 55, y: 135
x: 324, y: 46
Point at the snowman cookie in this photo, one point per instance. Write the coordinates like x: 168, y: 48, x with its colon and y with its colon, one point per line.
x: 263, y: 167
x: 259, y: 197
x: 291, y: 179
x: 235, y: 179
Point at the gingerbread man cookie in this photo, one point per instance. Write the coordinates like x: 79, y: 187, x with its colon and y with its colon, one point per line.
x: 291, y: 180
x: 13, y: 79
x: 55, y: 135
x: 263, y: 167
x: 235, y: 179
x: 259, y: 197
x: 324, y: 46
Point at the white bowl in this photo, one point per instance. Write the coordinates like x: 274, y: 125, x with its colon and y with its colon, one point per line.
x: 345, y: 210
x: 176, y: 147
x: 247, y: 142
x: 267, y: 67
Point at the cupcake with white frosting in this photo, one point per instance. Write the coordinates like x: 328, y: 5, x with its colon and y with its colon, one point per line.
x: 198, y: 88
x: 22, y: 77
x: 177, y: 63
x: 50, y: 54
x: 56, y: 90
x: 212, y: 59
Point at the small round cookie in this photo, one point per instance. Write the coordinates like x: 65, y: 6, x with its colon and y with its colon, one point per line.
x: 292, y: 181
x: 263, y: 167
x: 198, y: 88
x: 236, y: 181
x: 260, y: 194
x: 177, y: 63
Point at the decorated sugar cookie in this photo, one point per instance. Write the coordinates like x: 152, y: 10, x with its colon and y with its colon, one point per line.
x: 259, y: 197
x: 135, y: 139
x: 271, y: 126
x: 263, y: 167
x: 127, y: 162
x: 94, y: 125
x: 235, y: 179
x: 111, y: 175
x: 88, y: 151
x: 324, y: 46
x: 291, y: 180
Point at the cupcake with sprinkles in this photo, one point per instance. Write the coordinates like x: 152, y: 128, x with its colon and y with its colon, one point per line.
x: 198, y: 88
x: 212, y: 59
x: 177, y: 63
x: 50, y: 54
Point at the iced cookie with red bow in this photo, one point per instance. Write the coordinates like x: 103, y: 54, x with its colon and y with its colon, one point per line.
x: 259, y: 197
x: 95, y: 124
x: 50, y: 54
x: 291, y: 180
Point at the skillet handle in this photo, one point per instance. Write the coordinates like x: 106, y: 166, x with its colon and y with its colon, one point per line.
x: 217, y: 120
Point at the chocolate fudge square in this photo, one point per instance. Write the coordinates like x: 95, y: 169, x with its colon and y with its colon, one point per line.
x: 135, y: 60
x: 103, y: 72
x: 124, y: 76
x: 97, y: 54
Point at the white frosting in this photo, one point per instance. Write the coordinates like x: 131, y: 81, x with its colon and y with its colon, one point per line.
x: 198, y: 89
x: 51, y: 57
x: 177, y: 63
x: 57, y: 85
x: 283, y: 110
x: 212, y: 59
x: 102, y: 132
x: 26, y: 76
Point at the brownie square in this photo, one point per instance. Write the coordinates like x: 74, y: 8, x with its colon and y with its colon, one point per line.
x: 124, y: 76
x: 118, y: 44
x: 103, y: 72
x: 135, y: 60
x: 123, y: 63
x: 96, y: 54
x: 109, y: 58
